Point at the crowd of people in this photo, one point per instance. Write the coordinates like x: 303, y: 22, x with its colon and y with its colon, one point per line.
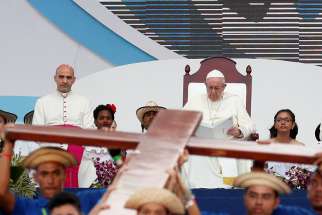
x: 59, y: 166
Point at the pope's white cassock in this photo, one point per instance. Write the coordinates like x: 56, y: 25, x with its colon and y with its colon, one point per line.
x: 68, y: 109
x: 209, y: 172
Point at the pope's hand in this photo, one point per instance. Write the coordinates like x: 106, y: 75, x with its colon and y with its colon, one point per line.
x: 235, y: 132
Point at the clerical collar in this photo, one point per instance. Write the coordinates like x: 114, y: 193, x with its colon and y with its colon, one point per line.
x: 64, y: 95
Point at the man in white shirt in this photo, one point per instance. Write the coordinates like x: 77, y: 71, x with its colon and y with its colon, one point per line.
x: 67, y: 109
x: 63, y: 107
x: 218, y: 106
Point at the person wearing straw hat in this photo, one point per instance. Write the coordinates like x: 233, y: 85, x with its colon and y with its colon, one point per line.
x: 5, y: 117
x: 147, y: 201
x: 49, y: 165
x: 262, y: 193
x: 218, y: 107
x: 147, y: 113
x: 65, y: 108
x: 155, y: 201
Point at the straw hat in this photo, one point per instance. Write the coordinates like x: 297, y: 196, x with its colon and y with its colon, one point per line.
x: 27, y: 119
x: 150, y: 106
x: 49, y: 154
x: 215, y: 74
x: 10, y: 117
x: 262, y: 179
x: 155, y: 195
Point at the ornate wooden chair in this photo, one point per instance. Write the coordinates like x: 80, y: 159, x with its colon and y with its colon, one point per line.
x: 236, y: 82
x: 27, y: 119
x: 233, y: 78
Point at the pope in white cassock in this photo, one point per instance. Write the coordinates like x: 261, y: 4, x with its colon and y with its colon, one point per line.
x: 218, y: 106
x: 67, y: 109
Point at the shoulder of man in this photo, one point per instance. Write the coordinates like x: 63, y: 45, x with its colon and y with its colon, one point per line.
x: 231, y: 96
x: 96, y: 193
x: 46, y: 97
x: 89, y: 198
x: 25, y: 205
x: 291, y: 210
x: 80, y: 97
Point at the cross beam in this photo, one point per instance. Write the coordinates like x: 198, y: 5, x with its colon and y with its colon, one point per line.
x: 197, y: 146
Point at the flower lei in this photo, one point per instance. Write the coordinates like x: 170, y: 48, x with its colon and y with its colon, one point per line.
x: 105, y: 171
x: 298, y: 178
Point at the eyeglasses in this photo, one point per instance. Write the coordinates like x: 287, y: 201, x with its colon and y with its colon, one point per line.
x: 287, y: 120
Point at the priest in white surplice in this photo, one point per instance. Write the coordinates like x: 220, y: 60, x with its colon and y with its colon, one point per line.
x: 218, y: 106
x: 66, y: 108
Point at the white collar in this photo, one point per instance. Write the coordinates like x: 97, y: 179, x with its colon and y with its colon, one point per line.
x: 64, y: 95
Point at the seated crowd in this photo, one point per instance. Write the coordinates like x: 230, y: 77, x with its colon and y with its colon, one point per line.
x: 58, y: 166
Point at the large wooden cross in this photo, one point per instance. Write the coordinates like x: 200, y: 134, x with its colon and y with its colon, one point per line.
x: 158, y: 150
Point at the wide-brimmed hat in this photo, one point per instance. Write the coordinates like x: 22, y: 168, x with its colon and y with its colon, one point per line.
x: 155, y: 195
x: 262, y: 179
x: 49, y: 154
x: 10, y: 117
x: 150, y: 106
x: 27, y: 119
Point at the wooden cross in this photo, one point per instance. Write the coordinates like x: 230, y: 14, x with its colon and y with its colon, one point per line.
x: 158, y: 150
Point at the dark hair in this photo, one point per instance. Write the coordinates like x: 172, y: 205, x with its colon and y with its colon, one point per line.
x: 314, y: 174
x: 317, y: 132
x: 293, y: 132
x: 100, y: 108
x: 64, y: 198
x: 276, y: 194
x: 166, y: 209
x: 317, y: 172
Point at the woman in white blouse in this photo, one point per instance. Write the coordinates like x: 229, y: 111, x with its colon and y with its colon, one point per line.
x: 284, y: 131
x: 285, y: 128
